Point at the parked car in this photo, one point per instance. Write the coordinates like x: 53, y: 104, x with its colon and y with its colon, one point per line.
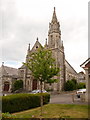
x: 38, y: 91
x: 18, y: 91
x: 3, y: 94
x: 80, y: 91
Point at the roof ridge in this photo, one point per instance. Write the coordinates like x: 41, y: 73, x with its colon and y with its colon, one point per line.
x: 70, y: 65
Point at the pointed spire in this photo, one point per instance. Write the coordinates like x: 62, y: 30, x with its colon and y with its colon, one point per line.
x: 54, y: 26
x: 54, y: 18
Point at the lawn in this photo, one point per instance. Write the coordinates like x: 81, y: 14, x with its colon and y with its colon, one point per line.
x: 56, y: 111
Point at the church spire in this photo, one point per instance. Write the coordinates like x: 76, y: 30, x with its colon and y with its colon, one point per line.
x: 54, y: 33
x: 54, y: 26
x: 54, y: 17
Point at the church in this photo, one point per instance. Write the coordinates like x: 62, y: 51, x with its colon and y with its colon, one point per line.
x: 55, y: 44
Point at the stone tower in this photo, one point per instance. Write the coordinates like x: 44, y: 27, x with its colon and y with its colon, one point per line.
x: 56, y: 45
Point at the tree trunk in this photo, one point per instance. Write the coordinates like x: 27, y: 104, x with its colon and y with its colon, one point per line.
x: 41, y: 99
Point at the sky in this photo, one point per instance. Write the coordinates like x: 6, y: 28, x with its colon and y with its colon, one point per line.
x: 22, y: 21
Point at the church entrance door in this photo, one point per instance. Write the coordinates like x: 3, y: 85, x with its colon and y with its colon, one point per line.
x: 6, y: 86
x: 34, y: 85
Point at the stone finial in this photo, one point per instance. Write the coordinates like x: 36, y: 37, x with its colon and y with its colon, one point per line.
x: 2, y: 63
x: 62, y: 45
x: 46, y: 45
x: 29, y: 47
x: 37, y: 38
x: 54, y: 9
x: 46, y: 41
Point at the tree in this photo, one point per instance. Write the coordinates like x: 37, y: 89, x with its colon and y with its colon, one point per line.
x: 43, y: 67
x: 81, y: 85
x: 17, y: 85
x: 74, y: 80
x: 69, y: 85
x: 75, y: 83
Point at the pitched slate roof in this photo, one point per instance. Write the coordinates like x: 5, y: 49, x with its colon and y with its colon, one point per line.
x: 8, y: 71
x: 69, y: 68
x: 86, y: 63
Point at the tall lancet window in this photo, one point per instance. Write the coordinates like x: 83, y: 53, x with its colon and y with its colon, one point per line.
x: 52, y: 41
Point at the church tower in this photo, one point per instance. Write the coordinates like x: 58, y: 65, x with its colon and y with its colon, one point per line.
x: 56, y: 45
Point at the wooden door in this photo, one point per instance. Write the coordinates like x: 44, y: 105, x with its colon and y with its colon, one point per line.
x: 6, y: 86
x: 34, y: 85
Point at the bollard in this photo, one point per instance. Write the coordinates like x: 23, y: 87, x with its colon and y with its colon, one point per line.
x: 82, y: 96
x: 73, y: 98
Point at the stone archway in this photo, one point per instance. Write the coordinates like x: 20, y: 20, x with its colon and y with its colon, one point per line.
x: 6, y: 86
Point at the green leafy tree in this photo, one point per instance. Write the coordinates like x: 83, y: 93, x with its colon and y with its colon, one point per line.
x: 43, y: 67
x: 17, y: 85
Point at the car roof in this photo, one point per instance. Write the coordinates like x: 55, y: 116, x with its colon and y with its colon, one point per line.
x: 81, y: 89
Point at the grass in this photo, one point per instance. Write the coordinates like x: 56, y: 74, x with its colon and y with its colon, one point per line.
x: 56, y: 111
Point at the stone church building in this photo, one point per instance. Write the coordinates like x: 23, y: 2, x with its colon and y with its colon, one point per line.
x: 54, y: 43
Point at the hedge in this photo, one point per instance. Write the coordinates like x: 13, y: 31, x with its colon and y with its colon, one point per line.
x: 19, y: 102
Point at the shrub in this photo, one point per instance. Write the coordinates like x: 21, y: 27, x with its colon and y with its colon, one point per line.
x: 69, y: 85
x: 19, y: 102
x: 7, y: 116
x: 74, y: 80
x: 75, y: 83
x: 81, y: 85
x: 17, y: 85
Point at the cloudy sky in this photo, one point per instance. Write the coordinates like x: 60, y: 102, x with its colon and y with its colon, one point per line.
x: 22, y: 21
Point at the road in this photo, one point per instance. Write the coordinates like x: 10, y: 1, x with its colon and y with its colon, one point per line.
x: 65, y: 99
